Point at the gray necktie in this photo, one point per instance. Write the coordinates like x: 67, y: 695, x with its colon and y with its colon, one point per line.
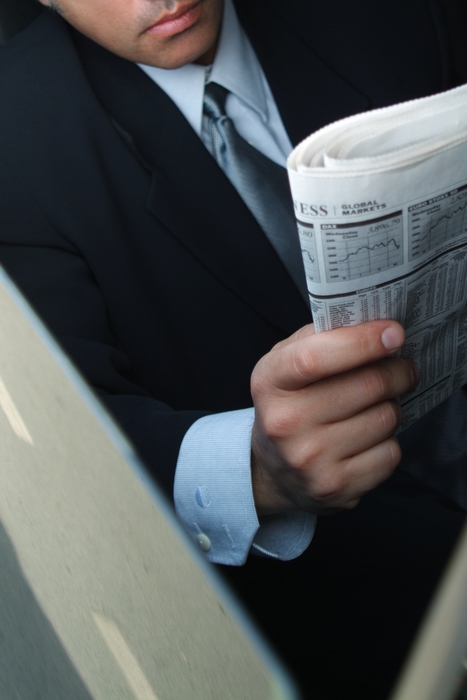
x: 261, y: 183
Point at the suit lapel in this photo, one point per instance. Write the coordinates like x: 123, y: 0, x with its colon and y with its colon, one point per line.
x: 205, y: 213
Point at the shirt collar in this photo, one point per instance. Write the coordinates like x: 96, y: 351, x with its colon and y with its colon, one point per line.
x: 235, y: 67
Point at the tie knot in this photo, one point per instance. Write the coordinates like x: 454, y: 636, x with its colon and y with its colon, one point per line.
x: 214, y: 100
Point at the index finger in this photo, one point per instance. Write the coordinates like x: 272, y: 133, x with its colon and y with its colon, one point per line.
x: 312, y: 357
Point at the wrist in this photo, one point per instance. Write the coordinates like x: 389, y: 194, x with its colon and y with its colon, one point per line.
x: 269, y: 498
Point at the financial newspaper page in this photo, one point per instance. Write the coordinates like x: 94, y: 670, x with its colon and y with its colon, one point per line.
x: 381, y: 206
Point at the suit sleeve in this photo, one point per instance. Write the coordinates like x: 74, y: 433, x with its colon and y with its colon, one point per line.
x: 59, y: 284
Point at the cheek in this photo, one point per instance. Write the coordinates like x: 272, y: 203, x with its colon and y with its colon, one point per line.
x: 105, y: 21
x: 111, y: 32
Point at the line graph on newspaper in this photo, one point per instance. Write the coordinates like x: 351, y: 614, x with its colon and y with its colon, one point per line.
x: 310, y: 254
x: 352, y: 251
x: 437, y: 221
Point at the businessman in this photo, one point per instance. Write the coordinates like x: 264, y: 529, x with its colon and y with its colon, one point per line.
x: 124, y: 220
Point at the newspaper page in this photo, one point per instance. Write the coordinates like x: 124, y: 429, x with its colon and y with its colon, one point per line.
x: 381, y: 206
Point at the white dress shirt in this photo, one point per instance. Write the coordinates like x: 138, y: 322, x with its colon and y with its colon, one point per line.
x: 213, y: 491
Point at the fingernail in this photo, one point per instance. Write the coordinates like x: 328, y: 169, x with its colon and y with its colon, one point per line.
x: 415, y: 372
x: 392, y: 338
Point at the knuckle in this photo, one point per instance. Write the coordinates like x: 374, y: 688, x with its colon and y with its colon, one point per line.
x: 362, y: 345
x: 304, y: 361
x: 304, y: 332
x: 395, y: 452
x: 331, y: 486
x: 389, y: 414
x: 350, y: 505
x: 278, y: 425
x: 375, y: 383
x: 308, y: 457
x: 380, y: 380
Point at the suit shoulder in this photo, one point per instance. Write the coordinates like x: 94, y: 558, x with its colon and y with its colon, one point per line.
x: 44, y: 91
x: 38, y: 58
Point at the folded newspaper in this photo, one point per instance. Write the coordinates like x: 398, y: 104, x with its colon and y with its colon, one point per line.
x: 381, y: 204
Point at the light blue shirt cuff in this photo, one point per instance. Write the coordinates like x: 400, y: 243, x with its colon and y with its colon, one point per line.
x: 214, y: 496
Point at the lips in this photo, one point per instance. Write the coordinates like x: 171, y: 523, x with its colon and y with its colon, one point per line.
x: 176, y: 22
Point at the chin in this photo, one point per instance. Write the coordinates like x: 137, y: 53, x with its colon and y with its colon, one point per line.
x: 180, y: 51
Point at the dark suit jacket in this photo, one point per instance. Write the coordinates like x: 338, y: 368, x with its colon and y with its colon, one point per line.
x: 146, y: 264
x: 126, y: 236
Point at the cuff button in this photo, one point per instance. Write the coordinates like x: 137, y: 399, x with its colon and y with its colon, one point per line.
x: 204, y: 542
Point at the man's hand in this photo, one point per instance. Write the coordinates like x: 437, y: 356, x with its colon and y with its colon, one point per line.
x: 325, y: 417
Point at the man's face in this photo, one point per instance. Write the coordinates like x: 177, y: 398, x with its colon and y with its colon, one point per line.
x: 163, y: 33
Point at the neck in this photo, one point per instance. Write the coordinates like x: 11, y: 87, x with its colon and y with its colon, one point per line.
x: 208, y: 58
